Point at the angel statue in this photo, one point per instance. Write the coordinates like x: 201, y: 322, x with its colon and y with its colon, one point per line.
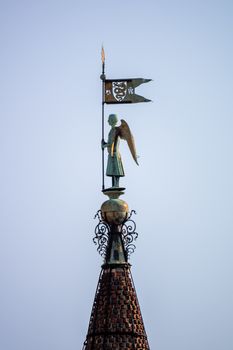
x: 115, y: 167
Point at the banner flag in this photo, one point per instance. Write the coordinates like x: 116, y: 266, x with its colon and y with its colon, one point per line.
x: 123, y: 90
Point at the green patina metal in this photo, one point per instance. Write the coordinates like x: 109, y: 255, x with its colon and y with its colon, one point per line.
x: 114, y: 166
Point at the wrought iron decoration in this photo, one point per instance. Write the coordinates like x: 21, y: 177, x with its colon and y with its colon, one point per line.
x: 129, y: 234
x: 103, y: 231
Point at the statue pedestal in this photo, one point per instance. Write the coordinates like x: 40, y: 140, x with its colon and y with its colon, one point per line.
x: 114, y: 192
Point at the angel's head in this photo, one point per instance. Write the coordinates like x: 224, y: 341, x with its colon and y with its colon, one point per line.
x: 112, y: 119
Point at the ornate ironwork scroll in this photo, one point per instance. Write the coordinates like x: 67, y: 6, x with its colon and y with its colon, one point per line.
x: 129, y: 234
x: 101, y: 234
x: 103, y: 230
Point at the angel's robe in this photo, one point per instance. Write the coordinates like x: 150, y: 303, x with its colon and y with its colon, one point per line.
x: 114, y: 166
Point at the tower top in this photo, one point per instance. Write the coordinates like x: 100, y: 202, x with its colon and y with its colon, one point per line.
x: 116, y: 322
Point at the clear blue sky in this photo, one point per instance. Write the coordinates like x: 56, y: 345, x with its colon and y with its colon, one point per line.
x: 50, y: 178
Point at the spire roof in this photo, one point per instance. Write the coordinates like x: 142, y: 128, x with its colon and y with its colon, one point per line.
x: 116, y: 321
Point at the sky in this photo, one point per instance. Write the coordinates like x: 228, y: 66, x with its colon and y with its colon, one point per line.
x: 50, y: 156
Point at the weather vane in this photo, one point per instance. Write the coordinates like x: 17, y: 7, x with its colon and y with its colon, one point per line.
x: 117, y: 91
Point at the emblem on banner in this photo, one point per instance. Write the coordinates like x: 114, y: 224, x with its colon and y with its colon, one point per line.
x: 119, y: 90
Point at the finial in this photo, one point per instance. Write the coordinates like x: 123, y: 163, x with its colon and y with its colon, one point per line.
x: 102, y: 54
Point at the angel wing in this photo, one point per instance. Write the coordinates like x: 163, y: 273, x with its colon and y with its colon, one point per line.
x: 125, y: 133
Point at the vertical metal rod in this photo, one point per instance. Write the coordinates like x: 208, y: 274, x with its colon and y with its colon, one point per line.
x: 103, y: 82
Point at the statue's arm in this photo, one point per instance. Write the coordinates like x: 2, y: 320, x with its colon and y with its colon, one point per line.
x: 104, y: 144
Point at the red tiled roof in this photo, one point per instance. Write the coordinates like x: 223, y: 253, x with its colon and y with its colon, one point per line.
x: 116, y: 321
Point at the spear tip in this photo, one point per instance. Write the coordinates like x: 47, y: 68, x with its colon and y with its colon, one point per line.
x: 102, y: 55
